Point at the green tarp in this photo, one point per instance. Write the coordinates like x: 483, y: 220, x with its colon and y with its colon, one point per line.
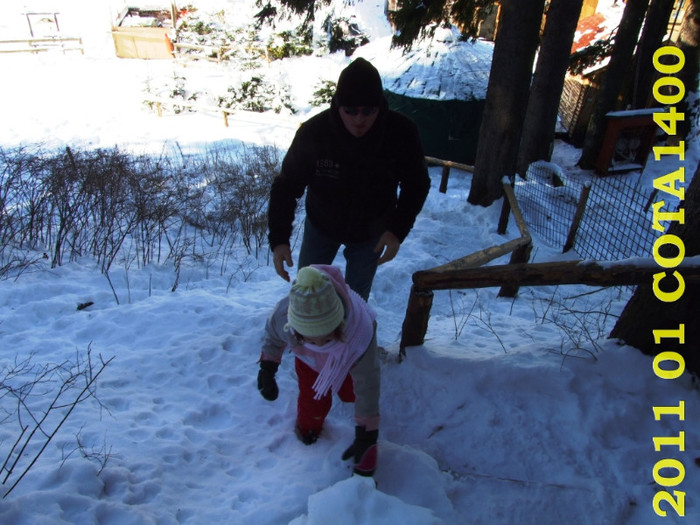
x: 449, y: 129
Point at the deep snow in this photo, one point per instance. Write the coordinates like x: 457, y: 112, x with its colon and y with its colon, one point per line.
x: 489, y: 422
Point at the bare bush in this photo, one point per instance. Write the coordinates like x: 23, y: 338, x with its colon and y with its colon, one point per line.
x: 23, y: 210
x: 114, y: 207
x: 582, y: 323
x: 259, y: 166
x: 37, y: 400
x: 240, y: 185
x: 69, y: 204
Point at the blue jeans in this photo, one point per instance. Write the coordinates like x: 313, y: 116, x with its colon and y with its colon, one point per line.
x: 361, y: 261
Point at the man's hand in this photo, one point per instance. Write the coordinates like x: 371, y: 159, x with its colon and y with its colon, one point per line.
x: 388, y: 246
x: 282, y: 254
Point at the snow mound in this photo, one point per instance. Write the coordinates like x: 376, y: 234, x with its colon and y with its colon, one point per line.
x: 356, y: 501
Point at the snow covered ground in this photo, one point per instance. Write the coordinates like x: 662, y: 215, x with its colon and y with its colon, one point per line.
x: 491, y: 421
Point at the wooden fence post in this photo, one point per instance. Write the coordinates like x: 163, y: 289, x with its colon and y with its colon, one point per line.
x: 415, y: 323
x: 503, y: 219
x: 583, y: 199
x: 505, y: 209
x: 445, y: 177
x: 519, y: 255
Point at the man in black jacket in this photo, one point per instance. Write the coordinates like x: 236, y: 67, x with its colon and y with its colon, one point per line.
x: 352, y: 159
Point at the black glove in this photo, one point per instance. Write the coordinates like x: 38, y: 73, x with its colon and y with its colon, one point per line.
x: 266, y: 380
x: 363, y: 451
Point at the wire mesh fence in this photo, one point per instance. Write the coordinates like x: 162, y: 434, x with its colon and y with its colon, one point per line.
x: 617, y: 215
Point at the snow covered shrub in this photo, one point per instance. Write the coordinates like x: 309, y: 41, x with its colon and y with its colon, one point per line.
x: 174, y: 89
x: 258, y: 95
x: 218, y: 39
x: 289, y: 44
x: 198, y: 28
x: 343, y: 34
x: 248, y: 51
x: 325, y: 89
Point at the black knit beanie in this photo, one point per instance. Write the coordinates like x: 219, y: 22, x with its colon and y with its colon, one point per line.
x: 359, y: 84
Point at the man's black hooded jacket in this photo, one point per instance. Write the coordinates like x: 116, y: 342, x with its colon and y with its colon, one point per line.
x: 357, y: 188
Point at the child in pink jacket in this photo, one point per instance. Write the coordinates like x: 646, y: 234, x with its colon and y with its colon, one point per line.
x: 332, y: 332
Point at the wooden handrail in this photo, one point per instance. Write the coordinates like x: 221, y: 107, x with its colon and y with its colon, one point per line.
x: 446, y: 165
x: 159, y: 102
x: 423, y: 278
x: 218, y: 50
x: 42, y: 44
x: 42, y: 40
x: 433, y: 161
x: 618, y: 273
x: 420, y: 300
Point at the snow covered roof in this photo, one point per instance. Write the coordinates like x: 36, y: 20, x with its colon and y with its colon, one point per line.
x: 443, y: 68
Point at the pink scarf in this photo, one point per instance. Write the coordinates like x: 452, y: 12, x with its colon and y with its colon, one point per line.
x: 357, y: 335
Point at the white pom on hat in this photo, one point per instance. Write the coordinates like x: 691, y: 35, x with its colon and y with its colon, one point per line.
x: 314, y: 306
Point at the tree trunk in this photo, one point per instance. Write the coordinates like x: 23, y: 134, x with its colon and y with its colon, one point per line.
x: 548, y: 83
x: 655, y: 27
x: 617, y: 71
x: 644, y: 312
x: 506, y: 98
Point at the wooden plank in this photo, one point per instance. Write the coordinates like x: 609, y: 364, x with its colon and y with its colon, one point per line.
x: 472, y: 260
x: 446, y: 165
x: 517, y: 214
x: 433, y: 161
x: 189, y: 105
x: 623, y: 273
x: 493, y: 252
x: 30, y: 41
x: 25, y: 50
x: 37, y: 45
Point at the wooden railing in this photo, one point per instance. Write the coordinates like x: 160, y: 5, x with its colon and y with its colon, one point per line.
x: 446, y: 166
x: 470, y: 272
x: 158, y: 104
x: 213, y: 53
x: 619, y: 273
x: 420, y: 300
x: 37, y: 45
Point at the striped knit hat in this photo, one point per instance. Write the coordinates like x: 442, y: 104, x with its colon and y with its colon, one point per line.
x: 314, y: 306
